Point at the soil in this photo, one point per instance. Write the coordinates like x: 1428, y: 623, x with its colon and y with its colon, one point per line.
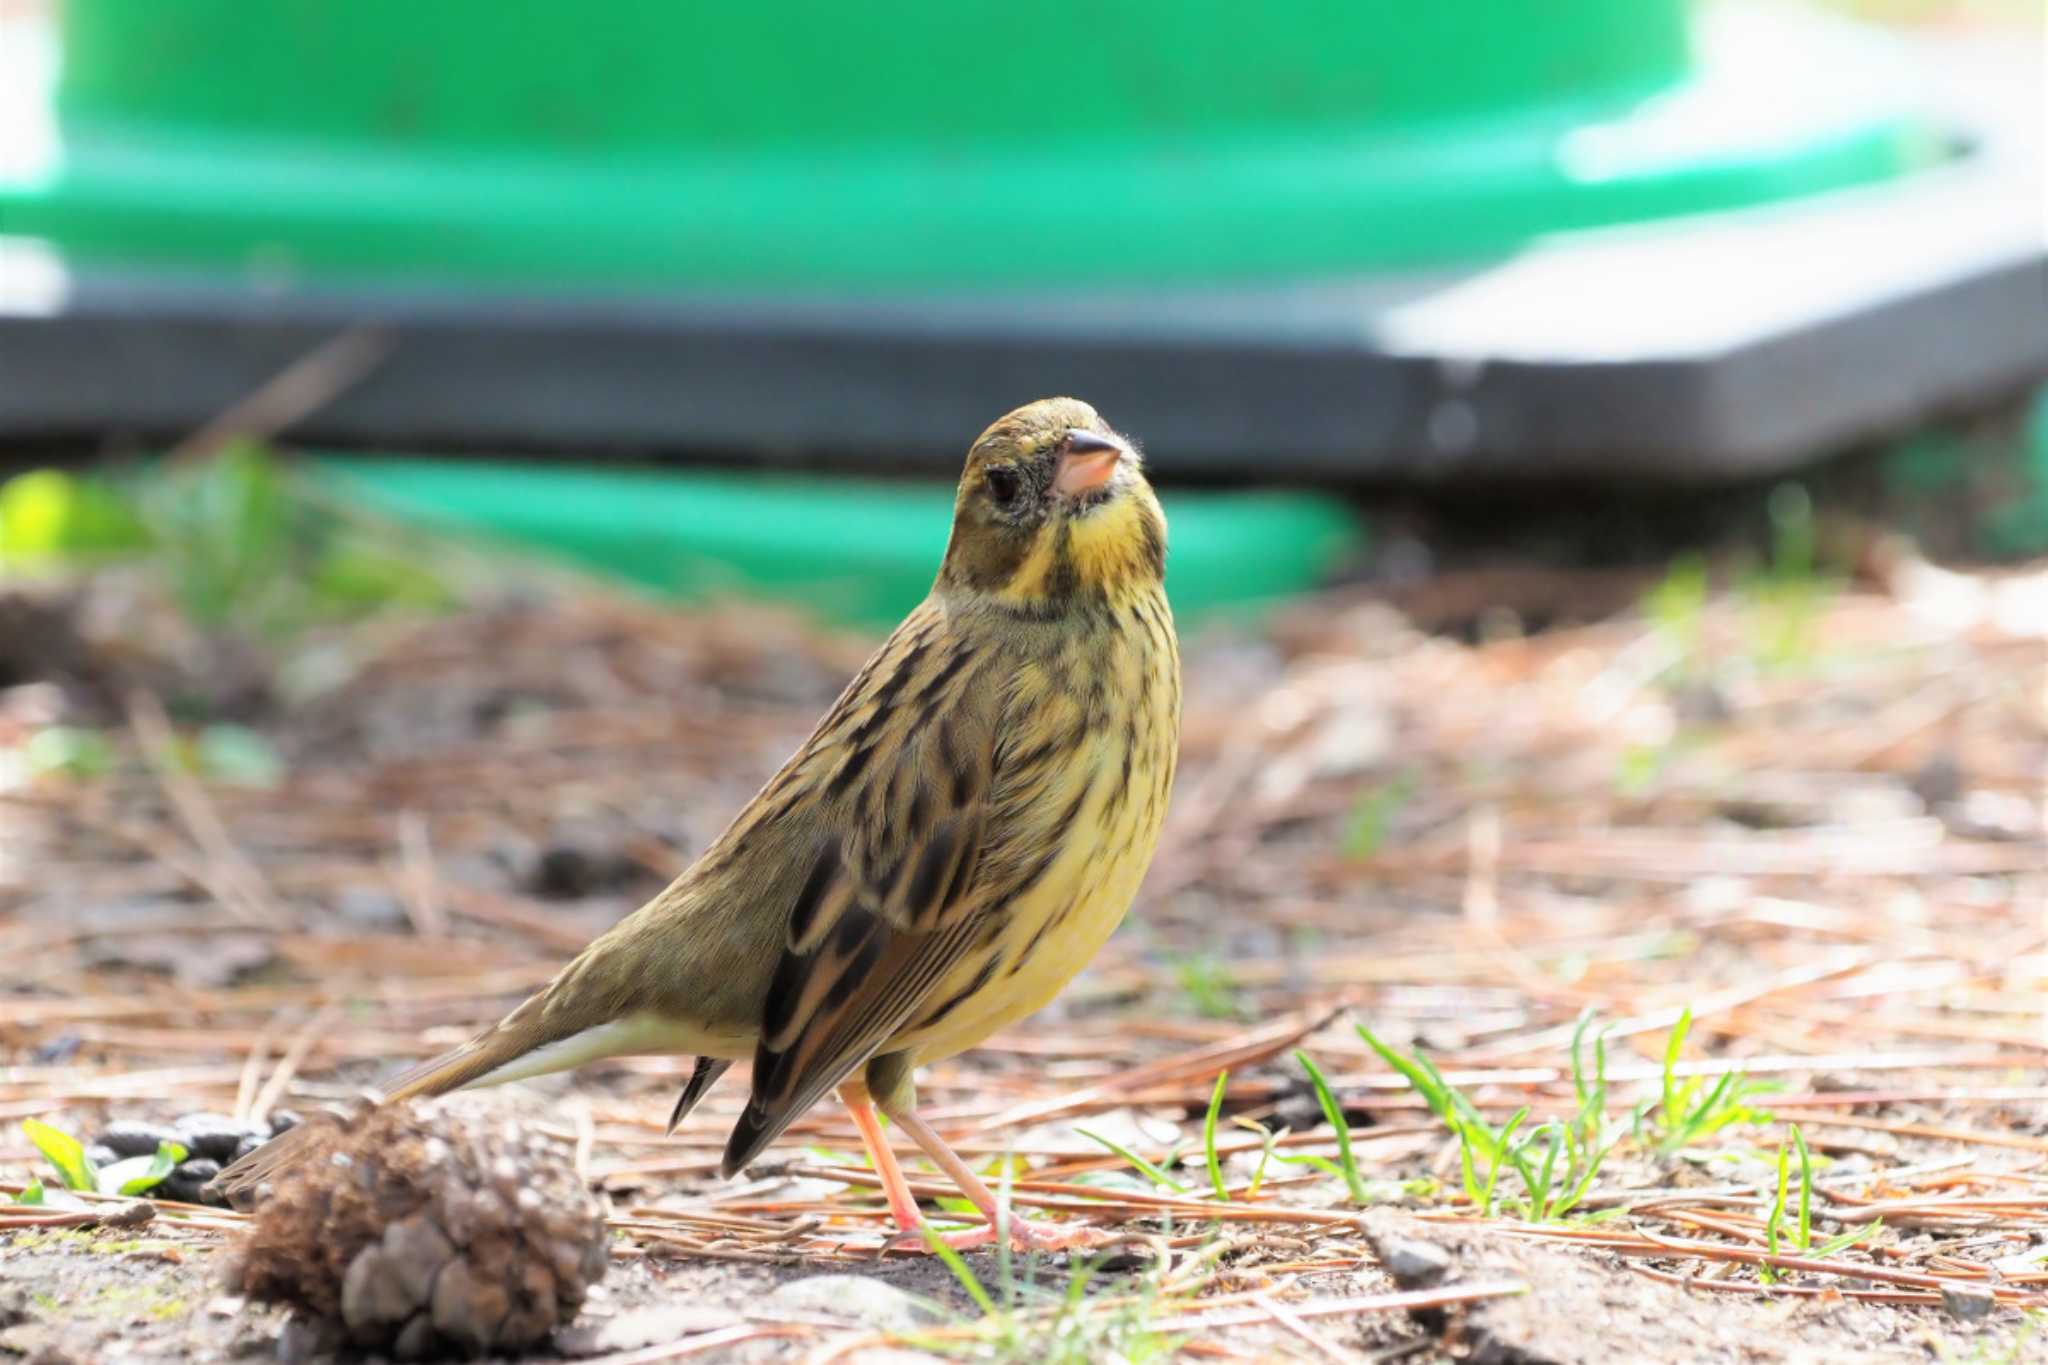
x: 1817, y: 821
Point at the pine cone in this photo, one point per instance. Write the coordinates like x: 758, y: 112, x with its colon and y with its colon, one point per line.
x: 420, y: 1229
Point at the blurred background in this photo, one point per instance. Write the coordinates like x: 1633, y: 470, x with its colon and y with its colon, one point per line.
x: 1326, y: 265
x: 450, y: 453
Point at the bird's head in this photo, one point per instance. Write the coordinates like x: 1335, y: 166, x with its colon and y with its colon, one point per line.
x: 1054, y: 511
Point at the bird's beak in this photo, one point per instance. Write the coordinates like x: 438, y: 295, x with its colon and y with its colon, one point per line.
x: 1087, y: 461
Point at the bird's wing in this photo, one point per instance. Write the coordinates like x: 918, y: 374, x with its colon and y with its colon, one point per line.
x: 915, y: 845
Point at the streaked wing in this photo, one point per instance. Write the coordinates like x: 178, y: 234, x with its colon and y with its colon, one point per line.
x: 905, y: 850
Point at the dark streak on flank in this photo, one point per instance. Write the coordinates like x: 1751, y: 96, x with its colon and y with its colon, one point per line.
x: 1035, y: 873
x: 963, y: 871
x: 931, y: 874
x: 1073, y: 810
x: 960, y: 767
x: 784, y: 991
x: 1017, y: 962
x: 1121, y: 797
x: 824, y: 872
x: 1031, y: 758
x: 928, y: 697
x: 959, y: 997
x: 855, y: 945
x: 849, y: 770
x: 920, y: 810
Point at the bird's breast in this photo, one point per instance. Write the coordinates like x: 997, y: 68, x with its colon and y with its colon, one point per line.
x: 1113, y: 703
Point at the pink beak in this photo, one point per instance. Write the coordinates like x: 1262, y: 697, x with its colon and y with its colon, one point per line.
x: 1087, y: 462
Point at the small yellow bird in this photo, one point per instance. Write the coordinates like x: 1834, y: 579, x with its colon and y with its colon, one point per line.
x: 956, y: 839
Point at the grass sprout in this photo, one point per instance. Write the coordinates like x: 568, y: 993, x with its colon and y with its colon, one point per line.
x: 1209, y: 1137
x: 1549, y: 1190
x: 64, y: 1152
x: 1022, y: 1319
x: 1269, y: 1138
x: 1346, y: 1165
x: 1688, y: 1110
x: 1155, y: 1173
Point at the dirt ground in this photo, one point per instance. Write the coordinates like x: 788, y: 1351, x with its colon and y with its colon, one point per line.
x: 1809, y: 812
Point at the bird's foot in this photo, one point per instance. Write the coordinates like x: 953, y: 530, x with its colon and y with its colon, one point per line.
x: 1024, y: 1236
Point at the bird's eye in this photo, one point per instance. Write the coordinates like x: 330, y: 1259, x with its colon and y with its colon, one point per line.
x: 1002, y: 486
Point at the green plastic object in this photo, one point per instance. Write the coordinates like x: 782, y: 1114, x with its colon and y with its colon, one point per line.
x: 861, y: 551
x: 2021, y: 526
x: 816, y: 144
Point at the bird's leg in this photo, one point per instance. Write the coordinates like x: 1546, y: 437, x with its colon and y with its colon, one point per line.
x: 910, y: 1220
x: 1023, y: 1236
x: 902, y: 1202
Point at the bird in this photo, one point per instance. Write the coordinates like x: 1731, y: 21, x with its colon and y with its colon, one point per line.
x: 957, y: 838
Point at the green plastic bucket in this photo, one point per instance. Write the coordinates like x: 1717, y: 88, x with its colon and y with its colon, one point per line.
x: 818, y: 144
x: 854, y: 550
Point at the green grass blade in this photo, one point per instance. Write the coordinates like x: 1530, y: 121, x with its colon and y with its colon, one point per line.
x: 1592, y: 1118
x: 1468, y: 1170
x: 1672, y: 1047
x: 1805, y: 1190
x: 1468, y: 1113
x: 1778, y: 1205
x: 1585, y: 1182
x: 1209, y: 1137
x: 65, y: 1152
x: 1500, y: 1160
x: 1152, y: 1172
x: 141, y: 1173
x: 957, y: 1263
x: 1848, y: 1239
x: 1268, y: 1140
x: 1320, y: 1163
x: 1579, y: 1086
x: 1334, y: 1113
x: 1539, y: 1194
x: 1077, y: 1281
x: 1416, y: 1071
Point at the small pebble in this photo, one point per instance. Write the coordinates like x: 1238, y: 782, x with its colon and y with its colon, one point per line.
x: 564, y: 872
x: 216, y: 1135
x: 247, y: 1145
x: 281, y: 1119
x: 58, y: 1050
x: 1939, y: 781
x: 1414, y: 1264
x: 370, y: 908
x: 99, y: 1154
x: 1968, y: 1301
x: 132, y: 1138
x: 187, y: 1184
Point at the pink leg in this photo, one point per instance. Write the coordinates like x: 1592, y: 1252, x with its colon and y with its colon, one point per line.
x: 1023, y: 1236
x: 902, y: 1202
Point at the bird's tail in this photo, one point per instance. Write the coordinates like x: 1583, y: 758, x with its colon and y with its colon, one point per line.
x: 497, y: 1047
